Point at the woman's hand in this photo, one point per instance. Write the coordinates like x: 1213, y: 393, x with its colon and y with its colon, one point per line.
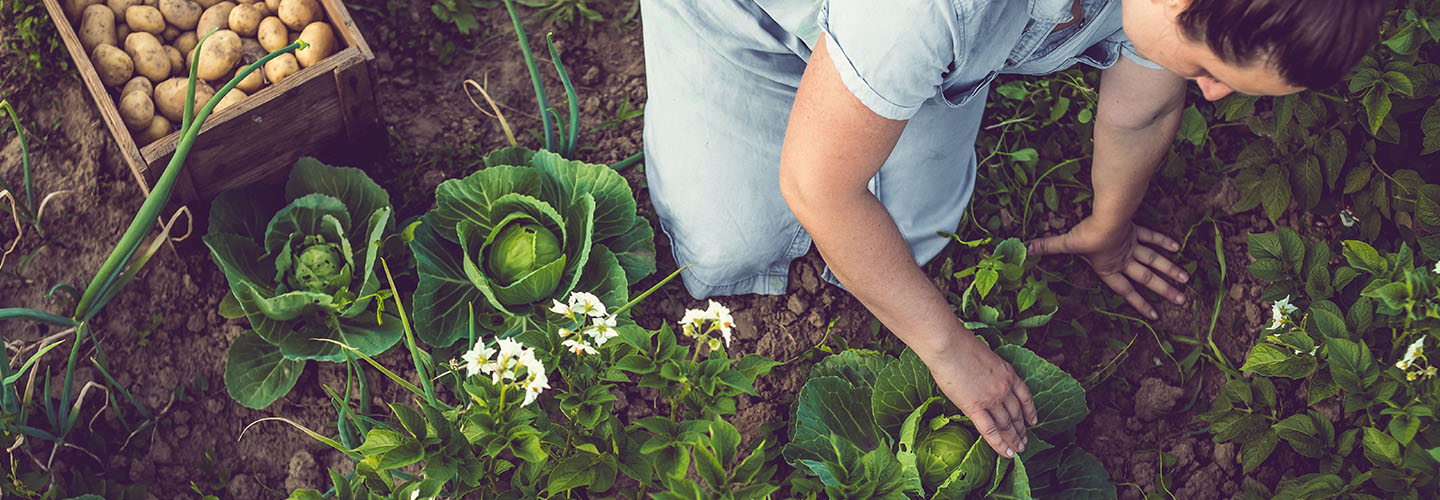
x: 986, y: 389
x: 1118, y: 257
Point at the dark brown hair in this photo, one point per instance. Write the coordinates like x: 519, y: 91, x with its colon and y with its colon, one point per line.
x: 1312, y: 43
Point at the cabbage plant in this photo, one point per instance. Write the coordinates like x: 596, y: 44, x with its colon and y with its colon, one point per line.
x: 874, y: 426
x: 529, y: 228
x: 302, y: 270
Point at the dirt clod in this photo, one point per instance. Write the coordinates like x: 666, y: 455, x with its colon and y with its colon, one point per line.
x: 1155, y: 398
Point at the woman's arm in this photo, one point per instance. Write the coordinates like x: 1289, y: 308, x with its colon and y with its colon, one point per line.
x: 833, y: 146
x: 1139, y: 113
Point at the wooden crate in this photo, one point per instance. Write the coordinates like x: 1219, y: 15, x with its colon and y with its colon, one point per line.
x: 325, y: 110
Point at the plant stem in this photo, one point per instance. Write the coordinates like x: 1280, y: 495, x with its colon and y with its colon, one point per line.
x: 570, y: 97
x: 534, y: 76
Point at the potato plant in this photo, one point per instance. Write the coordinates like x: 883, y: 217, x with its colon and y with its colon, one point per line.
x: 1357, y: 348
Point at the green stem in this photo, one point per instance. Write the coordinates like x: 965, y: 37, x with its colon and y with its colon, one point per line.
x: 626, y: 163
x: 24, y: 165
x: 164, y: 187
x: 534, y: 75
x: 646, y: 293
x: 420, y: 368
x: 570, y: 97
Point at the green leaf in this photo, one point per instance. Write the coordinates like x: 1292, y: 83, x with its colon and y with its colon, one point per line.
x: 1381, y: 449
x: 1273, y: 361
x: 244, y: 212
x: 1329, y: 324
x: 444, y: 297
x: 985, y: 280
x: 1275, y: 192
x: 1399, y: 82
x: 900, y: 388
x: 1293, y: 248
x: 1333, y: 152
x: 1268, y: 269
x: 1080, y: 476
x: 1193, y: 128
x: 1254, y: 452
x: 1357, y: 179
x: 473, y: 198
x: 1427, y: 206
x: 256, y: 374
x: 1377, y: 106
x: 351, y: 186
x: 411, y: 420
x: 1430, y: 125
x: 1403, y: 428
x: 1394, y: 295
x: 1309, y: 181
x: 1361, y: 255
x: 1265, y: 246
x: 857, y: 366
x: 709, y: 468
x: 1059, y: 398
x: 386, y: 450
x: 1299, y: 430
x: 831, y: 406
x: 1351, y: 365
x: 1026, y: 155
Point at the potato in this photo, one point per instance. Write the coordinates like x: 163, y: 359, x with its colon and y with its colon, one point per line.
x: 119, y: 6
x: 218, y: 55
x: 170, y: 34
x: 252, y: 82
x: 138, y: 84
x: 273, y: 5
x: 186, y: 42
x: 137, y: 110
x: 149, y: 56
x: 297, y: 14
x: 97, y: 26
x: 272, y: 34
x: 170, y: 97
x: 205, y: 4
x: 215, y: 17
x: 75, y: 9
x: 177, y: 61
x: 184, y: 14
x: 114, y: 66
x: 244, y: 20
x: 322, y: 43
x: 281, y: 67
x: 251, y: 51
x: 231, y: 98
x: 159, y: 127
x: 145, y: 18
x: 262, y: 9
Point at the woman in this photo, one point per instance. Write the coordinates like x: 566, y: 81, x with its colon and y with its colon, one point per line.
x: 772, y: 124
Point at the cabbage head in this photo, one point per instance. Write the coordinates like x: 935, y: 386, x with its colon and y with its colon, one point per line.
x: 301, y: 267
x: 527, y: 228
x: 941, y: 452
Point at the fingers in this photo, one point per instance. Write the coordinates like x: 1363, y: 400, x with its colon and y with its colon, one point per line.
x: 999, y: 431
x: 1121, y: 285
x: 1159, y: 263
x: 1049, y: 245
x: 1144, y: 276
x: 1027, y: 403
x: 1149, y: 237
x: 1011, y: 406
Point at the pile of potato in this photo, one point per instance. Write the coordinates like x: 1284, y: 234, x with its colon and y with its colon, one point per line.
x: 143, y: 49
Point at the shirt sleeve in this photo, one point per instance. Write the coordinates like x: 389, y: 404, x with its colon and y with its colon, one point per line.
x: 892, y: 55
x: 1127, y: 49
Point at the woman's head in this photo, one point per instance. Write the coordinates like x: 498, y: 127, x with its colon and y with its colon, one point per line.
x: 1261, y: 47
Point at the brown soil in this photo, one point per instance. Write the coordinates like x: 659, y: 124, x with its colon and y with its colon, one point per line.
x: 163, y: 332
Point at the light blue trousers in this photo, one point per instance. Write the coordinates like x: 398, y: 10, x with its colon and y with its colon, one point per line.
x: 721, y: 77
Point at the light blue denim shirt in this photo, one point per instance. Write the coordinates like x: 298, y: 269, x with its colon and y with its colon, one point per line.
x: 894, y: 55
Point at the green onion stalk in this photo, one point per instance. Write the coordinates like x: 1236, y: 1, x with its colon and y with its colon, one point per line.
x: 106, y: 283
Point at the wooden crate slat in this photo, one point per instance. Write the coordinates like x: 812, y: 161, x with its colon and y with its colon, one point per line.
x: 306, y: 114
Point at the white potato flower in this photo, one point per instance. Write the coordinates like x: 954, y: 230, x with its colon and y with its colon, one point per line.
x: 587, y: 304
x: 1278, y: 311
x: 578, y: 347
x: 559, y: 308
x: 477, y: 359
